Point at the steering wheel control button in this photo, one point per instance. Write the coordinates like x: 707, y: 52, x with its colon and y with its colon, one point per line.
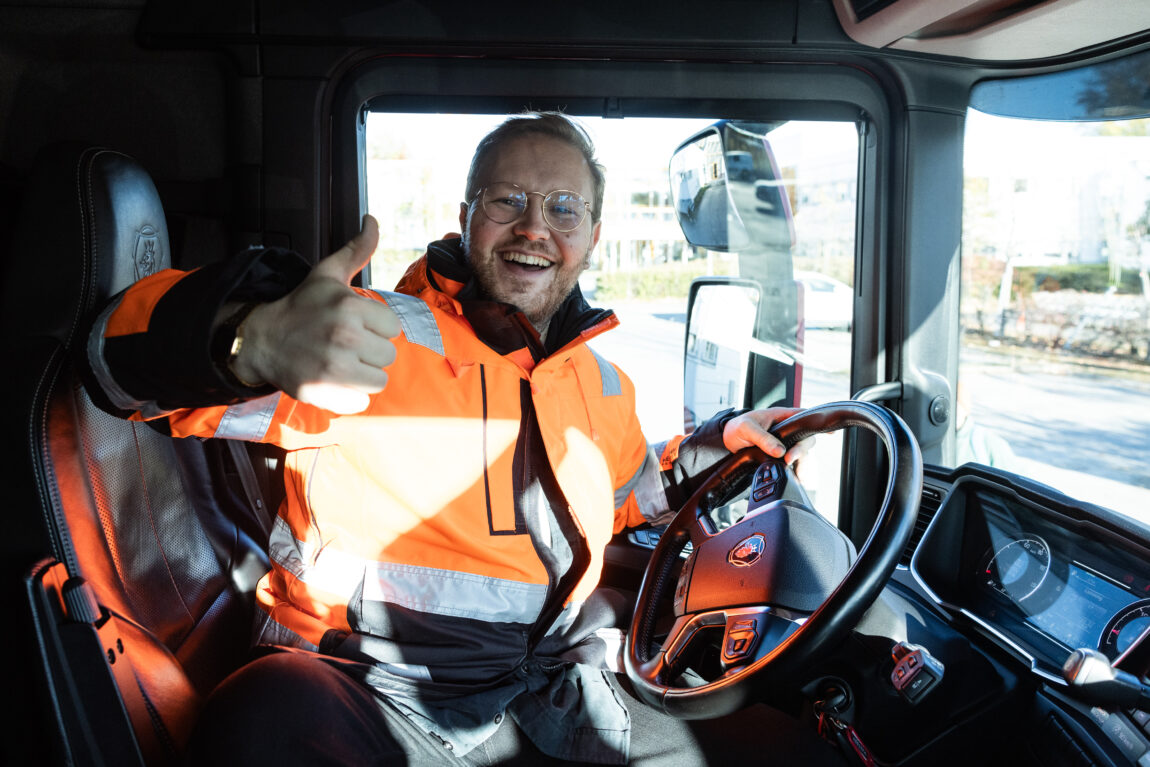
x: 768, y: 481
x: 1128, y: 740
x: 742, y: 638
x: 747, y: 551
x: 683, y: 585
x: 915, y: 672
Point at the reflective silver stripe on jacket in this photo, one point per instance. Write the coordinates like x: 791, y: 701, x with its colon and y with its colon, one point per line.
x: 647, y: 484
x: 248, y: 420
x: 103, y: 374
x: 426, y: 589
x: 612, y: 386
x: 461, y: 595
x: 416, y: 319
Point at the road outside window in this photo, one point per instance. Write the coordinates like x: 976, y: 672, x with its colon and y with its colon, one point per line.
x: 1054, y: 375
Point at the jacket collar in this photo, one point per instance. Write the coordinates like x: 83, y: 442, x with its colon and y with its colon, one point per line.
x: 503, y: 327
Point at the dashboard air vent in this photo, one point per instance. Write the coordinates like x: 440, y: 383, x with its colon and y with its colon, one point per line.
x: 927, y: 508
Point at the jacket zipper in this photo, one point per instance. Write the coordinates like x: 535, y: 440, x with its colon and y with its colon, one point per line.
x: 486, y: 475
x: 559, y: 587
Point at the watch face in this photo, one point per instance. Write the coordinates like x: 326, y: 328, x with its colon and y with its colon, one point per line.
x: 227, y: 341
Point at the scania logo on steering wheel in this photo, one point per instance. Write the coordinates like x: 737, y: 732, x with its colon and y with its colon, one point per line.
x: 747, y: 551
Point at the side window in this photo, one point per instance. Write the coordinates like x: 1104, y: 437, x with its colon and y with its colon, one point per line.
x: 416, y: 167
x: 1054, y: 373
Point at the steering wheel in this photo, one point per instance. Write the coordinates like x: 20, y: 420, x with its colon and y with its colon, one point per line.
x: 782, y: 584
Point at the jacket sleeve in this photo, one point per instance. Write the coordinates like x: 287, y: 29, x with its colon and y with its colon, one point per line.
x: 665, y: 475
x: 148, y: 351
x: 685, y: 462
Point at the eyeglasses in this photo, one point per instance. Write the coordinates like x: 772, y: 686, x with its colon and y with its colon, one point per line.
x: 504, y: 202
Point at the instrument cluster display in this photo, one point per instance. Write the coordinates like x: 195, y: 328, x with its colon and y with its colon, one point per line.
x: 1046, y: 582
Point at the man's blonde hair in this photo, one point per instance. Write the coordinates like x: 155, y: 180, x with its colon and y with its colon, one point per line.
x: 553, y: 124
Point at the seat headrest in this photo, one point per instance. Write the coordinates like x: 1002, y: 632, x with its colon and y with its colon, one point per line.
x: 91, y: 224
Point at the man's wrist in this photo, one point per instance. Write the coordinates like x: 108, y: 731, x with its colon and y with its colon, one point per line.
x: 228, y: 343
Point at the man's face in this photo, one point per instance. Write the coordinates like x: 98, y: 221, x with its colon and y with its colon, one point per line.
x: 526, y: 263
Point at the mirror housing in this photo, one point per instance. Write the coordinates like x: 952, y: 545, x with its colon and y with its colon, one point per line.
x: 728, y: 191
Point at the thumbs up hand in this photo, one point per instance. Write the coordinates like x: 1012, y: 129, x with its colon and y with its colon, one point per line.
x: 323, y: 343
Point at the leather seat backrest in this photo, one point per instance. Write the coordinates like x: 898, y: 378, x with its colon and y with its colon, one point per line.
x: 142, y: 600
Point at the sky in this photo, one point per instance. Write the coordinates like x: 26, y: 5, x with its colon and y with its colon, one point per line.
x: 621, y: 144
x: 633, y: 142
x: 459, y: 136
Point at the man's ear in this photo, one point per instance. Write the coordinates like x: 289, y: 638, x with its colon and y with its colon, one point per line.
x: 591, y: 247
x: 463, y: 207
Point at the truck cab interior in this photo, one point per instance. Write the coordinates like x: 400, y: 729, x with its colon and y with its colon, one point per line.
x: 927, y: 223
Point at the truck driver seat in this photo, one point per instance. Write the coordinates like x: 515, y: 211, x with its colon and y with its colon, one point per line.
x: 139, y: 559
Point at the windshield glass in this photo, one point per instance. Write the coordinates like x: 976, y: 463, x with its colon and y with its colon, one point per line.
x: 416, y: 167
x: 1054, y: 374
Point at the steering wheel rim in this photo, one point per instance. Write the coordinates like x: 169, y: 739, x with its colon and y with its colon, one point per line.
x: 830, y: 621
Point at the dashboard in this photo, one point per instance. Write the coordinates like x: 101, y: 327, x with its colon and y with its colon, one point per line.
x: 1041, y: 578
x: 1021, y: 576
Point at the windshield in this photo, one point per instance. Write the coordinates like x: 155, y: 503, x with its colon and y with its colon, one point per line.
x: 642, y: 268
x: 1054, y: 374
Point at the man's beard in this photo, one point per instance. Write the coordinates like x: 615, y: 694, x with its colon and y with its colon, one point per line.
x: 541, y: 305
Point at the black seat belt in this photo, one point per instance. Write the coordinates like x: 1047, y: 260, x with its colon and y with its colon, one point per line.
x: 247, y: 473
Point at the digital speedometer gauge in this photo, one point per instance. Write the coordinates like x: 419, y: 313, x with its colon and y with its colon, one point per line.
x: 1124, y: 628
x: 1017, y: 568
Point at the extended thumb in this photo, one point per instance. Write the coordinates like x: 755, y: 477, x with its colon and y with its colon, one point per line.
x: 347, y: 262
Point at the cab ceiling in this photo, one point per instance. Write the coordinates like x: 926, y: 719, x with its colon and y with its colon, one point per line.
x: 992, y: 30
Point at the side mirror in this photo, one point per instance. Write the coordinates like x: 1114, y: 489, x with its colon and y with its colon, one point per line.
x: 744, y: 335
x: 702, y: 200
x: 723, y: 354
x: 721, y: 318
x: 729, y: 194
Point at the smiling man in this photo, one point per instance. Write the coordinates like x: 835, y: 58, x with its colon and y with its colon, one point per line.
x: 525, y: 254
x: 457, y: 460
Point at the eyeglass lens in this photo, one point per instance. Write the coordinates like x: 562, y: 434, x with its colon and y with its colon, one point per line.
x: 563, y: 210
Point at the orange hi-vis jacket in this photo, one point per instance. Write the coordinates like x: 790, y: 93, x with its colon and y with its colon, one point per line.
x: 456, y: 527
